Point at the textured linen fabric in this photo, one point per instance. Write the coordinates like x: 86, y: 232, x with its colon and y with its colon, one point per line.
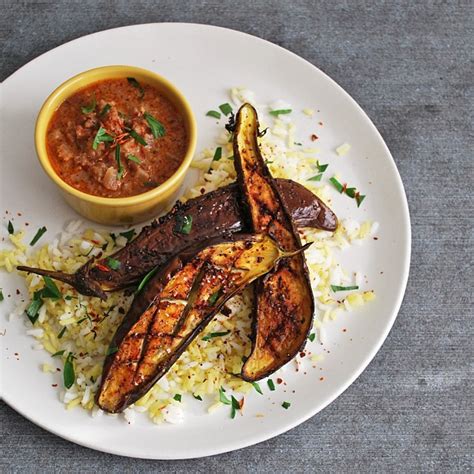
x: 409, y: 65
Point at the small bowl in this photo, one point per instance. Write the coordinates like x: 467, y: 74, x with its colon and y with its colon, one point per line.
x: 124, y: 210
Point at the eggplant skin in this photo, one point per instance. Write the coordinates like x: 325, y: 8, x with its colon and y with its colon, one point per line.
x: 283, y: 303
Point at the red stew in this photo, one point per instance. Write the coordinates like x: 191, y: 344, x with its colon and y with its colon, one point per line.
x: 116, y: 138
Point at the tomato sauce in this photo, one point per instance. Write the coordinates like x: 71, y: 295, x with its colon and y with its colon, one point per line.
x: 116, y: 138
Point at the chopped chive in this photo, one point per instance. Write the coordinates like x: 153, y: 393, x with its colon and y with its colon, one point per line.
x: 69, y: 376
x: 129, y: 234
x: 59, y: 353
x: 298, y: 143
x: 257, y: 388
x: 157, y: 128
x: 271, y: 385
x: 226, y: 108
x: 351, y: 192
x: 343, y: 288
x: 359, y: 199
x: 133, y: 82
x: 111, y: 350
x: 197, y: 397
x: 51, y: 290
x: 112, y: 263
x: 100, y: 137
x: 223, y: 398
x: 138, y: 138
x: 11, y: 229
x: 32, y: 310
x: 321, y: 168
x: 278, y: 112
x: 1, y: 295
x: 231, y: 157
x: 213, y: 298
x: 87, y: 109
x: 316, y: 177
x: 217, y: 154
x: 235, y: 406
x: 214, y: 113
x: 337, y: 184
x: 212, y: 335
x: 146, y: 279
x: 286, y: 405
x: 184, y: 224
x: 177, y: 397
x: 312, y: 337
x: 61, y: 333
x: 105, y: 109
x: 134, y: 159
x: 38, y: 235
x: 119, y: 162
x: 82, y: 320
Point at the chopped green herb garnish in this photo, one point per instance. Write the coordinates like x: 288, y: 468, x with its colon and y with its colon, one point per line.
x: 112, y: 263
x: 235, y: 406
x: 226, y: 108
x: 59, y: 353
x: 223, y: 398
x: 298, y: 143
x: 316, y: 177
x: 321, y: 168
x: 100, y: 137
x: 50, y: 290
x: 286, y: 405
x: 268, y: 162
x: 214, y: 297
x: 198, y: 397
x: 38, y: 235
x: 119, y: 162
x: 32, y: 310
x: 337, y: 184
x: 257, y: 388
x: 278, y: 112
x: 177, y: 397
x: 157, y: 128
x: 133, y: 82
x: 212, y: 335
x: 138, y: 138
x: 351, y: 192
x: 82, y: 320
x: 184, y: 224
x: 87, y: 109
x: 129, y: 234
x: 1, y: 295
x: 217, y: 154
x: 69, y: 375
x: 271, y: 385
x: 312, y: 337
x: 343, y: 288
x: 146, y: 279
x: 61, y: 333
x: 231, y: 157
x: 11, y: 229
x: 214, y: 113
x: 68, y: 297
x: 359, y: 199
x: 134, y: 159
x: 105, y: 109
x: 111, y: 350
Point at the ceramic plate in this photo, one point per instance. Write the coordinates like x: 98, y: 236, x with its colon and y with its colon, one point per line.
x: 204, y: 62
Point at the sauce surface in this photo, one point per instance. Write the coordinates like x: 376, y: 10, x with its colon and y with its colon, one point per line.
x: 116, y: 138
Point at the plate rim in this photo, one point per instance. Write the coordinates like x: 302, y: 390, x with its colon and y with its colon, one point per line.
x: 393, y: 313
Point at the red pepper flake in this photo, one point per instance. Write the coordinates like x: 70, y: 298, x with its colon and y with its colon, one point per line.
x: 321, y: 378
x: 95, y: 242
x: 320, y: 123
x: 376, y: 238
x: 314, y: 137
x: 302, y: 354
x: 344, y: 330
x: 16, y: 353
x: 344, y: 187
x: 202, y: 190
x: 102, y: 267
x: 58, y: 369
x: 279, y: 381
x: 241, y: 403
x: 17, y: 291
x: 27, y: 224
x: 54, y: 385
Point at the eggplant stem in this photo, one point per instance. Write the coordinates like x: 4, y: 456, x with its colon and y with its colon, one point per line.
x: 61, y: 276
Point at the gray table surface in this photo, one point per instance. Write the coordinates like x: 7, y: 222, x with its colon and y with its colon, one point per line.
x: 409, y: 65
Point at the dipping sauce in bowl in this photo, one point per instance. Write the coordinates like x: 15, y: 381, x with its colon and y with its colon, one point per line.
x: 116, y: 138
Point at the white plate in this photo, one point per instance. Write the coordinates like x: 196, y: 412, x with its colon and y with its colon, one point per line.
x: 205, y: 62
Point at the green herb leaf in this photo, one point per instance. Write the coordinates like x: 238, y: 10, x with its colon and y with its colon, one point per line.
x: 105, y: 109
x: 59, y: 353
x: 1, y: 295
x: 271, y: 385
x: 184, y: 224
x: 213, y: 298
x: 343, y: 288
x: 87, y: 109
x: 235, y: 407
x: 11, y: 229
x: 322, y: 168
x: 129, y: 234
x: 217, y: 154
x: 112, y: 263
x: 134, y: 159
x: 337, y: 184
x: 38, y: 235
x: 69, y: 376
x: 316, y: 178
x: 223, y: 398
x: 214, y: 113
x: 100, y: 137
x: 257, y: 388
x: 133, y: 82
x: 61, y: 333
x: 359, y: 199
x: 50, y: 290
x: 82, y: 320
x: 138, y: 138
x: 312, y: 337
x: 146, y: 279
x: 197, y: 397
x: 111, y: 350
x: 34, y: 307
x: 286, y: 405
x: 226, y: 108
x: 157, y: 128
x: 278, y: 112
x: 177, y: 397
x: 351, y: 192
x: 119, y: 162
x: 212, y: 335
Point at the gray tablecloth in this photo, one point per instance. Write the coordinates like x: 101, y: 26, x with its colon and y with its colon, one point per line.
x: 409, y: 65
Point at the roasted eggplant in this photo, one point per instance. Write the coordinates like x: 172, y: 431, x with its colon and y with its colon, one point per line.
x: 189, y: 292
x: 283, y: 306
x: 211, y: 215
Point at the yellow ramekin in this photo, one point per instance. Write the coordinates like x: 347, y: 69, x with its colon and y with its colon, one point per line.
x: 126, y: 210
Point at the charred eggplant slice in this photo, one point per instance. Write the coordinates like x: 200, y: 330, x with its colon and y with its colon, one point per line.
x: 188, y: 296
x: 211, y: 215
x: 284, y: 303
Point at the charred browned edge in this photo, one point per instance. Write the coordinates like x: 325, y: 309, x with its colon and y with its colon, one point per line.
x: 287, y: 221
